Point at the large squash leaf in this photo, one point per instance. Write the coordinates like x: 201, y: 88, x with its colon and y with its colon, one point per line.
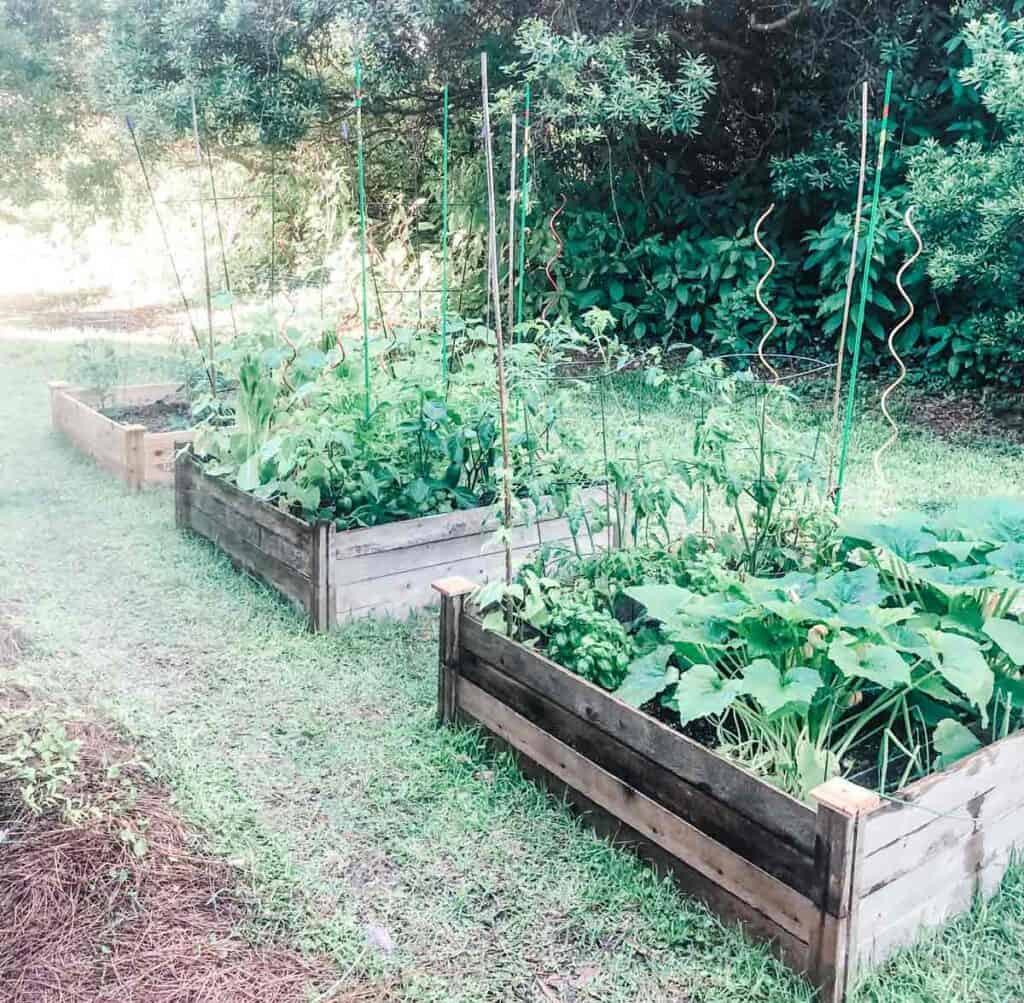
x: 953, y: 741
x: 662, y: 602
x: 701, y: 692
x: 1010, y: 558
x: 962, y: 664
x: 774, y: 689
x: 647, y: 677
x: 852, y: 588
x: 875, y: 662
x: 903, y: 536
x: 1009, y: 636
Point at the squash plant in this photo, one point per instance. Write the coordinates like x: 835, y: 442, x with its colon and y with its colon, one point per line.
x: 901, y: 652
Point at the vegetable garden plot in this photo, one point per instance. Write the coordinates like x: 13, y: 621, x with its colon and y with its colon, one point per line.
x: 336, y: 575
x: 137, y: 456
x: 833, y: 888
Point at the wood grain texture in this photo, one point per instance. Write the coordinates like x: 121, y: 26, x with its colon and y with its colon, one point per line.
x: 718, y: 866
x: 789, y: 820
x: 137, y: 457
x: 721, y: 821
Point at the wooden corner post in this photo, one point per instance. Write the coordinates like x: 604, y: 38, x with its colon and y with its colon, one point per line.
x: 453, y: 593
x: 839, y: 850
x: 182, y: 481
x: 321, y: 599
x: 135, y: 456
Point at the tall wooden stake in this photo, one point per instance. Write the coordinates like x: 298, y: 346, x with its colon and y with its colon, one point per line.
x: 495, y: 286
x: 362, y: 238
x: 512, y: 235
x: 202, y: 234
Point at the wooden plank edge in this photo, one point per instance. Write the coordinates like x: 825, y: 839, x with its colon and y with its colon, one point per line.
x: 757, y: 889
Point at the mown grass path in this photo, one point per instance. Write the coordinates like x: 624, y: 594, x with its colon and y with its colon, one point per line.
x: 315, y: 766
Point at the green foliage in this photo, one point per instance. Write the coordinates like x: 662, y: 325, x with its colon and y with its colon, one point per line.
x: 589, y: 641
x: 298, y: 434
x: 97, y: 366
x: 898, y: 656
x: 597, y: 88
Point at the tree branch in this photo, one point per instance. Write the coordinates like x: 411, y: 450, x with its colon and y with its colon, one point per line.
x: 780, y: 24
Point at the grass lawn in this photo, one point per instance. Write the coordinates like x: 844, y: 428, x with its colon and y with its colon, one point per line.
x: 314, y: 764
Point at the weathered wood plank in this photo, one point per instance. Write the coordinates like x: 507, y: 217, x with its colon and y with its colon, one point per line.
x: 293, y: 586
x: 726, y: 870
x: 993, y: 773
x: 730, y: 909
x: 135, y: 455
x: 412, y: 589
x: 720, y: 821
x: 438, y: 553
x: 260, y: 512
x: 842, y: 808
x: 769, y: 808
x: 359, y: 543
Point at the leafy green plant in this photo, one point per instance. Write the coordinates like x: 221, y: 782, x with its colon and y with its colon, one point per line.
x: 97, y: 366
x: 905, y: 655
x: 300, y: 435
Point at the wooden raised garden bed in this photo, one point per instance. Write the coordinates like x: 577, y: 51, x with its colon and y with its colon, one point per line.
x: 139, y: 457
x: 336, y: 576
x: 834, y: 889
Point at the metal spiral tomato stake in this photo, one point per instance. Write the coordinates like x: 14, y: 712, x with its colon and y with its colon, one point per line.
x: 558, y: 253
x: 908, y: 222
x: 757, y: 293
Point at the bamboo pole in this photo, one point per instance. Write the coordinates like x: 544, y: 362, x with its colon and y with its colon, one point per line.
x: 202, y: 235
x: 865, y: 290
x: 851, y: 275
x: 444, y: 238
x: 524, y: 197
x: 361, y: 170
x: 495, y: 286
x: 512, y: 234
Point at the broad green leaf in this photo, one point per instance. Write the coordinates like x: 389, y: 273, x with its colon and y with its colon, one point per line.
x: 875, y: 662
x: 662, y: 602
x: 248, y: 476
x: 903, y: 535
x: 701, y: 692
x: 852, y: 588
x: 647, y: 677
x: 1010, y: 558
x: 953, y: 741
x: 774, y: 689
x: 960, y: 661
x: 1009, y: 636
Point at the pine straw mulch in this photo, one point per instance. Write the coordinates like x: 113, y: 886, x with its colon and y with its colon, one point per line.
x: 89, y: 913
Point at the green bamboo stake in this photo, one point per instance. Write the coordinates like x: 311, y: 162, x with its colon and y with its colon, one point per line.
x: 444, y: 239
x: 865, y: 290
x: 525, y: 195
x: 362, y: 237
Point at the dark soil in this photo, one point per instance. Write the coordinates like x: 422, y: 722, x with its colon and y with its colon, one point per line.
x: 160, y: 416
x: 954, y: 417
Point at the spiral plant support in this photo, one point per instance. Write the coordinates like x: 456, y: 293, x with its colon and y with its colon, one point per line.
x: 891, y: 388
x: 757, y: 293
x: 554, y: 257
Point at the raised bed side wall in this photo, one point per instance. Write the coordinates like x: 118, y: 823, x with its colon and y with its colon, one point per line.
x: 834, y: 888
x: 940, y: 842
x: 338, y: 576
x: 133, y: 454
x: 277, y: 548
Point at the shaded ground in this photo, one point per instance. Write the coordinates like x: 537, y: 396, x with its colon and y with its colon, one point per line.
x: 105, y: 895
x: 404, y: 853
